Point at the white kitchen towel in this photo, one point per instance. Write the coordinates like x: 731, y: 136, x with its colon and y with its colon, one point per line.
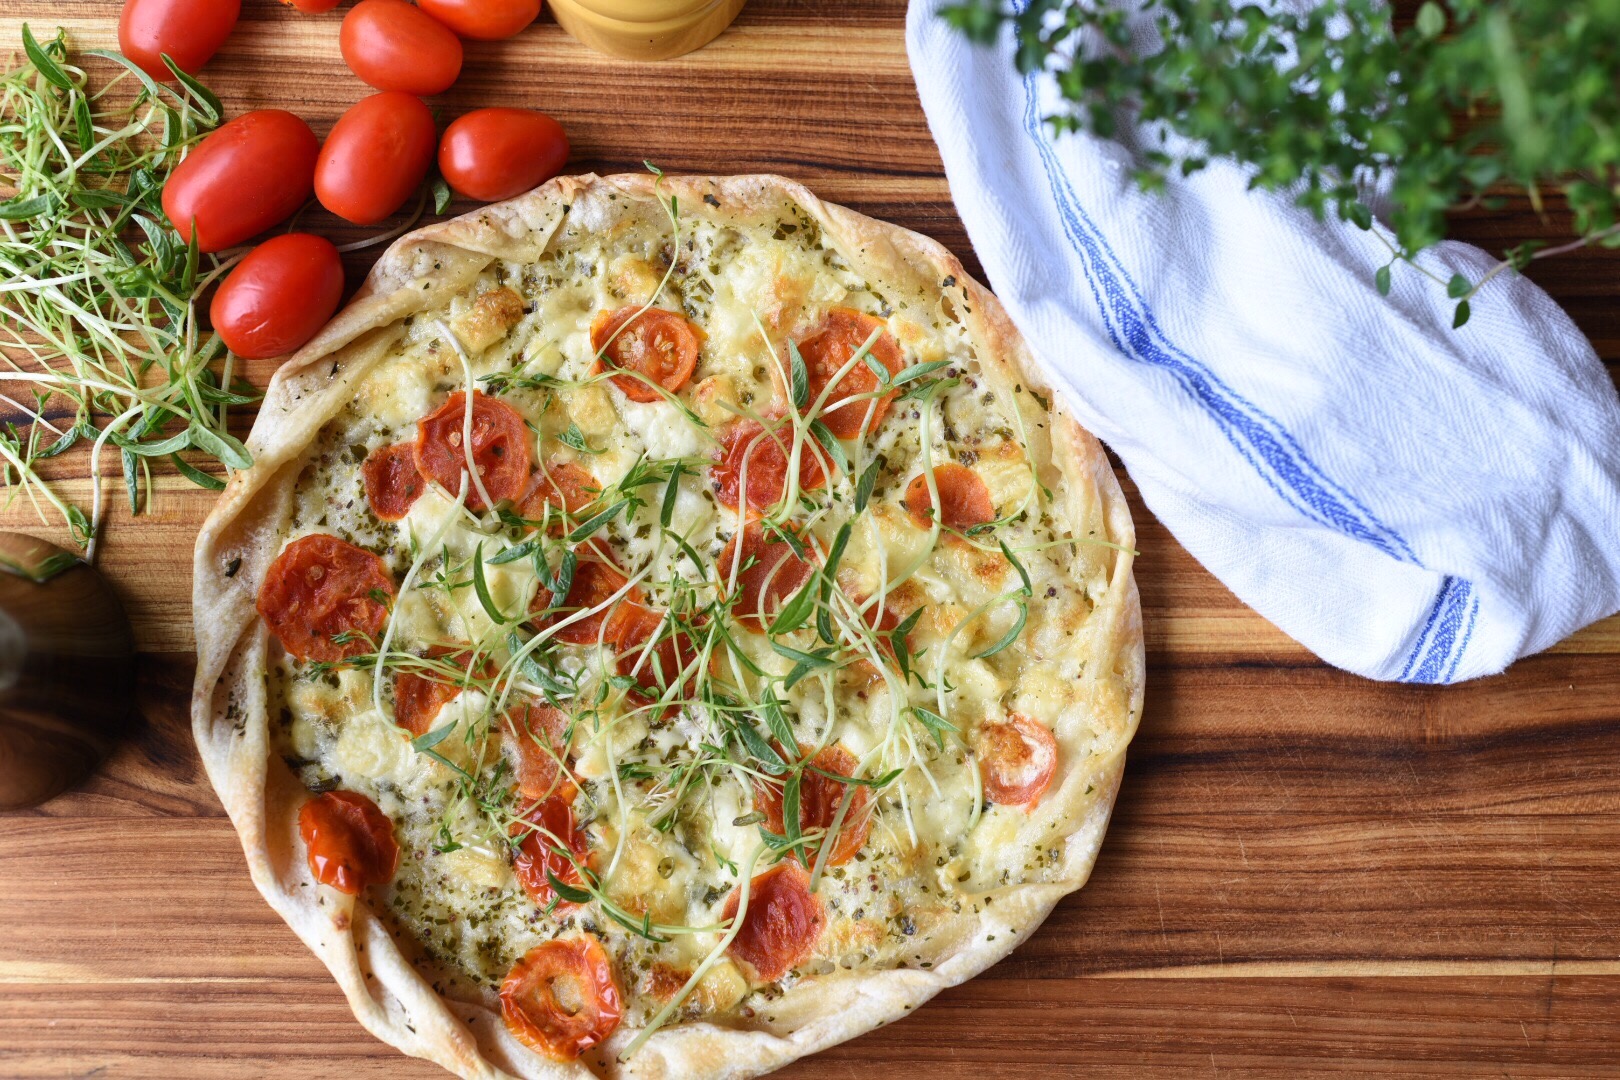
x: 1408, y: 501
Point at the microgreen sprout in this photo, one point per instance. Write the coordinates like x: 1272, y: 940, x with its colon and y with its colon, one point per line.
x: 97, y: 312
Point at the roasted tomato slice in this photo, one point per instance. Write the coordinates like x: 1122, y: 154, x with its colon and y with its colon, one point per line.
x: 560, y: 485
x: 392, y: 483
x: 500, y: 448
x: 548, y: 826
x: 560, y: 999
x: 886, y: 620
x: 819, y: 799
x: 757, y: 457
x: 537, y: 734
x: 418, y: 697
x: 783, y: 921
x: 828, y: 348
x: 659, y: 344
x: 963, y: 498
x: 350, y: 843
x: 320, y: 589
x: 767, y: 572
x: 1017, y: 757
x: 658, y: 667
x: 594, y: 584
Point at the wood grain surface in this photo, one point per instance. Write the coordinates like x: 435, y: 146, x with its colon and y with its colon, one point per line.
x: 1308, y: 873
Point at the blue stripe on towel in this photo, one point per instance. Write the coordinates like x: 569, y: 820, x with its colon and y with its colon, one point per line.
x: 1259, y: 438
x: 1445, y: 635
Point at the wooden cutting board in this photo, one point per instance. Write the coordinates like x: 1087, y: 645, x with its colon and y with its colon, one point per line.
x: 1308, y: 873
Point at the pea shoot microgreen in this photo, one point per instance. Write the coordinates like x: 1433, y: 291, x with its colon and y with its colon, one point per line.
x: 98, y: 318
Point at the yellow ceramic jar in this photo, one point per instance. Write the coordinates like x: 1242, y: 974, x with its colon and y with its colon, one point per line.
x: 645, y: 29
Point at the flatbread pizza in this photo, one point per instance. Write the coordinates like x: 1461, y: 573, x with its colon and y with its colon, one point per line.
x: 669, y: 627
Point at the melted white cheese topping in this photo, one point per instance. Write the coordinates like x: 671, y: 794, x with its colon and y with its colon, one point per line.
x: 934, y: 842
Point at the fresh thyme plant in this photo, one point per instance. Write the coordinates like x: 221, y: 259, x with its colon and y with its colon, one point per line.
x: 98, y: 323
x: 1474, y: 99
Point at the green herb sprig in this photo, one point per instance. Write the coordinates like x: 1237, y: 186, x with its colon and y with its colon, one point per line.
x: 98, y: 325
x: 1472, y: 99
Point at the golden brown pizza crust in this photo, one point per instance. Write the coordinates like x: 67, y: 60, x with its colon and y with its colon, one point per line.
x: 389, y: 996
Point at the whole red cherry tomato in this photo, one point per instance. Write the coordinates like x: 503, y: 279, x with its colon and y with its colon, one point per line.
x: 311, y: 7
x: 494, y: 154
x: 483, y: 20
x: 190, y: 31
x: 375, y: 157
x: 242, y: 179
x: 279, y: 296
x: 395, y: 46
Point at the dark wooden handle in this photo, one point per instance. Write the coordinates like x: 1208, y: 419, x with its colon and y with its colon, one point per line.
x: 67, y: 671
